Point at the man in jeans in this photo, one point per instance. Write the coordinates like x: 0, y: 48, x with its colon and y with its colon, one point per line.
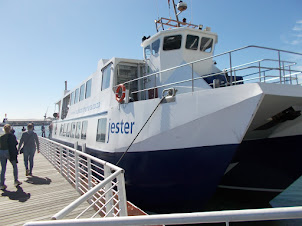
x: 7, y: 141
x: 30, y: 142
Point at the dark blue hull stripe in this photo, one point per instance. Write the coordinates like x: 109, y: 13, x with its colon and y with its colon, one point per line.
x: 171, y: 180
x: 268, y: 164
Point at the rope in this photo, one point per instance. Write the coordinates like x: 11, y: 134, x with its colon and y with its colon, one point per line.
x: 140, y: 131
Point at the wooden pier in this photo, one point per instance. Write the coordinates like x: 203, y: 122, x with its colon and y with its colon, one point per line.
x: 39, y: 197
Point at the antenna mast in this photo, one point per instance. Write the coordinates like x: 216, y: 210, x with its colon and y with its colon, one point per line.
x: 181, y: 6
x: 176, y: 15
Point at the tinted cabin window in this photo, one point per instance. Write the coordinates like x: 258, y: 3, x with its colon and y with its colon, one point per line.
x: 172, y: 42
x: 65, y: 129
x: 106, y: 77
x: 72, y: 98
x: 78, y: 130
x: 84, y: 130
x: 76, y: 96
x: 192, y: 42
x: 147, y: 52
x: 73, y: 128
x: 206, y: 44
x: 61, y: 130
x: 82, y: 92
x: 101, y: 132
x: 155, y: 47
x: 68, y: 130
x: 88, y: 89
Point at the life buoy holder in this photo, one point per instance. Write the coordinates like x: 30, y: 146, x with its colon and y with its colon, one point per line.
x: 122, y: 97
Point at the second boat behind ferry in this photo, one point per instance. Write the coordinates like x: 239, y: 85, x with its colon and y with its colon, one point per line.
x: 180, y: 126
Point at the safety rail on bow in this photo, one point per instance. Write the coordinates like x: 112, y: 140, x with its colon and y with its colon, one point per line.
x: 272, y: 68
x: 101, y: 183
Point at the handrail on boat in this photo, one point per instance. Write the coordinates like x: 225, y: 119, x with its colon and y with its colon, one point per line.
x: 283, y: 66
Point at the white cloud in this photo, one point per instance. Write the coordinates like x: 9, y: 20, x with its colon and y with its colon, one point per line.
x: 294, y: 37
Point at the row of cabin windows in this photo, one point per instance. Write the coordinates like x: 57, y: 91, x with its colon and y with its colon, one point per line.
x: 74, y: 130
x: 81, y: 93
x: 174, y: 42
x: 78, y: 130
x: 84, y: 91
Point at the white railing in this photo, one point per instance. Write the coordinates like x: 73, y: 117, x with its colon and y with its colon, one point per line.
x: 273, y: 69
x: 101, y: 183
x: 189, y: 218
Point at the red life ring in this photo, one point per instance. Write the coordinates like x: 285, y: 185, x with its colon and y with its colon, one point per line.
x: 120, y: 99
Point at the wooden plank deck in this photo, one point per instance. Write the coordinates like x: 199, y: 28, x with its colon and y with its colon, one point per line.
x: 39, y: 197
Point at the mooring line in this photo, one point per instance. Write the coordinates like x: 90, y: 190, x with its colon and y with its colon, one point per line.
x: 140, y: 131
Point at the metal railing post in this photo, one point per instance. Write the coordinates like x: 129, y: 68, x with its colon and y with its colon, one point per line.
x: 279, y: 60
x: 107, y: 172
x: 68, y: 165
x: 259, y: 66
x: 76, y: 163
x: 122, y: 194
x: 89, y: 174
x: 290, y: 75
x: 192, y: 78
x: 231, y: 70
x: 61, y: 160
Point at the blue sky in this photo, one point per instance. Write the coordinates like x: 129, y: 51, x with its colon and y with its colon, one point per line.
x: 45, y: 42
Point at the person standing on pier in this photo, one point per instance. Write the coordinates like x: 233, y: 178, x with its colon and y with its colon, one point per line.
x: 30, y: 143
x: 8, y: 150
x: 43, y: 130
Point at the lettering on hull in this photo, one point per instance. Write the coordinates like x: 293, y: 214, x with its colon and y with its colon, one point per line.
x: 120, y: 128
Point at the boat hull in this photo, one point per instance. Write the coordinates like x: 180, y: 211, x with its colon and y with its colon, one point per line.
x: 264, y: 168
x: 176, y: 180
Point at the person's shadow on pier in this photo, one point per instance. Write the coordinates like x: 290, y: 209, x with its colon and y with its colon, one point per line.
x: 18, y: 195
x: 38, y: 180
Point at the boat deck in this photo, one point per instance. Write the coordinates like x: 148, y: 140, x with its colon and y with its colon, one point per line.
x: 39, y: 197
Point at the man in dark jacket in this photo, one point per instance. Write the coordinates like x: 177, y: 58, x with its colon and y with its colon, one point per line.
x: 13, y: 154
x: 7, y: 151
x: 30, y: 143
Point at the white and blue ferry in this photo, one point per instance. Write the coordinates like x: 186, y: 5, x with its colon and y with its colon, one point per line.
x: 181, y: 127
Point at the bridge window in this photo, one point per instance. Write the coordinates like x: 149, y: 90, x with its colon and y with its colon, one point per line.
x: 106, y: 77
x: 192, y: 42
x: 82, y: 92
x: 84, y: 130
x: 78, y: 130
x: 76, y: 96
x: 147, y: 52
x: 155, y: 47
x: 206, y: 44
x: 102, y: 128
x: 56, y: 127
x: 172, y: 42
x: 88, y: 89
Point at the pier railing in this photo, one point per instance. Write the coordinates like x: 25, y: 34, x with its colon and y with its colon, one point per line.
x: 101, y: 184
x: 226, y: 217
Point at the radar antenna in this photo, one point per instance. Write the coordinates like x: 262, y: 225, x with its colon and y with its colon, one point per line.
x: 180, y: 7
